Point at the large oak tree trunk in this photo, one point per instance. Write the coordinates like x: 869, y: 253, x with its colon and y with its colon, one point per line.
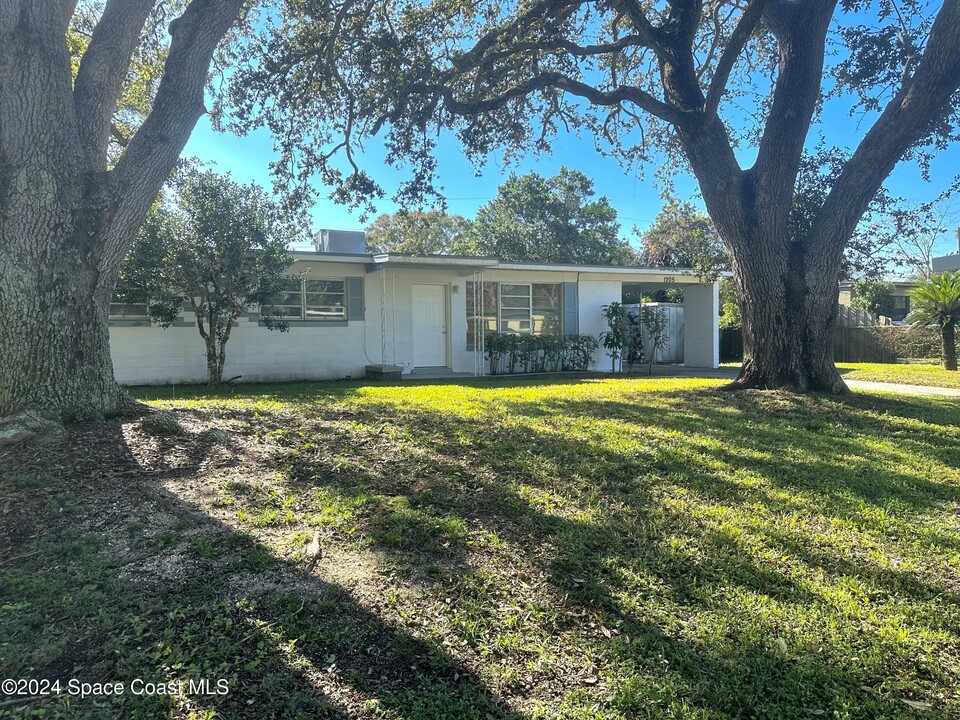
x: 54, y: 339
x: 66, y: 218
x: 787, y: 276
x: 54, y: 344
x: 789, y: 307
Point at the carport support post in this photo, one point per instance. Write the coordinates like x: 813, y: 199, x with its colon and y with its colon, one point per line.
x: 701, y: 325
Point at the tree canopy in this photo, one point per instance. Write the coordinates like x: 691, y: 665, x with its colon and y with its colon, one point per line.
x: 556, y: 219
x: 638, y: 78
x: 685, y: 83
x: 682, y: 236
x: 220, y: 248
x: 419, y: 233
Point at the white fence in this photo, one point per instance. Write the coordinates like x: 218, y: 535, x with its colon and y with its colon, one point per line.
x: 854, y: 317
x: 673, y: 352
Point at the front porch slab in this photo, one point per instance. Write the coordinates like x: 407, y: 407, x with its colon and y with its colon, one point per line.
x: 383, y: 372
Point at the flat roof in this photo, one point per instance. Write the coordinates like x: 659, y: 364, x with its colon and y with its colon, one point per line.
x: 376, y: 261
x: 601, y: 269
x: 895, y: 283
x: 330, y: 257
x: 469, y: 262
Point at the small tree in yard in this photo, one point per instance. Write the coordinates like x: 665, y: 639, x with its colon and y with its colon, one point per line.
x: 633, y: 350
x: 875, y: 296
x: 937, y: 302
x: 654, y: 319
x: 220, y: 250
x: 614, y: 340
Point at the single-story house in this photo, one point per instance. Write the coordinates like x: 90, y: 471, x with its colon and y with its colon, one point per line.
x: 901, y: 297
x: 348, y: 311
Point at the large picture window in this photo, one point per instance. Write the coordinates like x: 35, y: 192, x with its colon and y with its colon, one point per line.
x: 324, y: 300
x: 311, y: 299
x: 521, y: 308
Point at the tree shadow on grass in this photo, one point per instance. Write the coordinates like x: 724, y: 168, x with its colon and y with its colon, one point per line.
x: 672, y: 616
x: 504, y: 479
x: 122, y: 575
x: 819, y: 447
x: 829, y: 466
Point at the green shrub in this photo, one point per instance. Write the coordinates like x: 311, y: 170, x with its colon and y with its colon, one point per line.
x: 908, y: 342
x: 624, y: 338
x: 508, y: 353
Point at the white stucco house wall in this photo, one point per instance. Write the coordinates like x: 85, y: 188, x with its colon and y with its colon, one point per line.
x: 348, y: 311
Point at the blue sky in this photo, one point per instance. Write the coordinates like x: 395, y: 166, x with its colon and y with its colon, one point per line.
x: 636, y: 199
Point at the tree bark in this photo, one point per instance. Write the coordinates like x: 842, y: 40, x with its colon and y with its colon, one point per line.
x: 788, y: 284
x: 788, y: 302
x: 948, y: 350
x: 54, y: 339
x: 213, y: 377
x: 223, y: 340
x: 65, y: 220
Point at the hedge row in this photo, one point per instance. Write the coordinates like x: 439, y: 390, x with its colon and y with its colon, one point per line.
x: 508, y: 353
x: 901, y: 341
x: 908, y: 342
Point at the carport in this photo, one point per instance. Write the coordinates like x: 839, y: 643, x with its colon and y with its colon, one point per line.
x: 700, y: 311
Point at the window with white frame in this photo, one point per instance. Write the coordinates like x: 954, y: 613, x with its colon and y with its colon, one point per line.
x: 521, y: 308
x: 515, y: 309
x: 310, y: 299
x: 128, y: 311
x: 324, y: 300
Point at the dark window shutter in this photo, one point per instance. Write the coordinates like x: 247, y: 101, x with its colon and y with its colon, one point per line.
x: 354, y: 298
x: 571, y: 324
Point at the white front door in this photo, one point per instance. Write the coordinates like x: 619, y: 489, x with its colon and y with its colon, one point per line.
x: 429, y: 326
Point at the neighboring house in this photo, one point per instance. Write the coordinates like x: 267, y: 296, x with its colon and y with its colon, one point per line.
x: 348, y: 311
x: 946, y: 263
x: 901, y: 299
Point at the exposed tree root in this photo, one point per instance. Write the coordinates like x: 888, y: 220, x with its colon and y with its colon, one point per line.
x: 28, y: 427
x: 830, y: 386
x: 131, y: 407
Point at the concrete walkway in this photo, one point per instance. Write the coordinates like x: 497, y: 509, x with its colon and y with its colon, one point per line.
x: 903, y: 388
x: 682, y: 371
x: 731, y: 373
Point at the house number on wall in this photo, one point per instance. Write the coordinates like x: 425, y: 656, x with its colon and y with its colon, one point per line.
x: 669, y: 279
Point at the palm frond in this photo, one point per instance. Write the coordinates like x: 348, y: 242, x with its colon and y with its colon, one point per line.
x: 937, y: 301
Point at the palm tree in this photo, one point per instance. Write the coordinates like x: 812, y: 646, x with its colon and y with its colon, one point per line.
x: 937, y: 302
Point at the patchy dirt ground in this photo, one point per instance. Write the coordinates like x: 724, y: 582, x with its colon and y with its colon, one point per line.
x: 596, y: 550
x: 154, y: 516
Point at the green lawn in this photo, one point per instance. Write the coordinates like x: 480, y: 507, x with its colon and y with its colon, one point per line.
x: 908, y: 374
x: 912, y: 374
x: 617, y: 548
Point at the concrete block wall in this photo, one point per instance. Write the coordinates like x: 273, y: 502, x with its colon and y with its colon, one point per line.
x: 145, y: 354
